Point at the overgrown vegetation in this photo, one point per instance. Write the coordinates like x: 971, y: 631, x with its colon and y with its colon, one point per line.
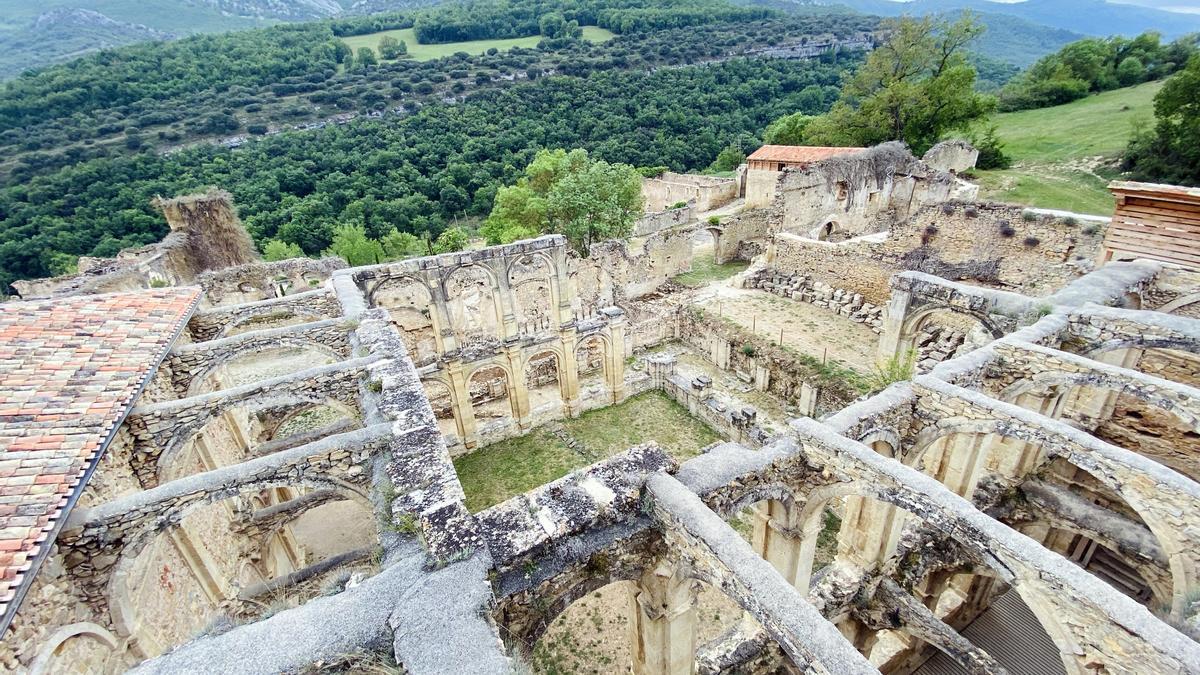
x: 916, y: 87
x: 1095, y: 65
x: 1170, y: 152
x: 502, y: 470
x: 411, y: 174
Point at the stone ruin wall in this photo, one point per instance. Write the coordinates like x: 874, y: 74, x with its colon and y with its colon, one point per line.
x: 707, y: 192
x: 987, y: 244
x: 655, y: 221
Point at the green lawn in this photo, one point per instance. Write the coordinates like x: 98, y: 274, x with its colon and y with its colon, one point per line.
x: 705, y: 270
x: 422, y: 52
x: 1054, y: 150
x: 502, y: 470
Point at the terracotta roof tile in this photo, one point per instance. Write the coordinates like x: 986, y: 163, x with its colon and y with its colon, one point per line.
x: 70, y: 369
x: 799, y: 154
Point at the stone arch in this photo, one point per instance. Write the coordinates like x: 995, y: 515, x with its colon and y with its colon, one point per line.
x: 271, y: 433
x: 536, y: 267
x: 200, y: 383
x: 1051, y: 379
x: 1179, y: 303
x: 409, y: 303
x: 533, y: 380
x: 476, y: 303
x: 445, y: 405
x: 283, y: 405
x: 587, y: 364
x: 1145, y: 342
x: 45, y: 662
x: 879, y: 437
x: 136, y: 536
x: 819, y: 498
x: 1184, y: 573
x: 830, y: 226
x: 915, y: 321
x: 270, y: 315
x: 482, y: 396
x: 347, y: 493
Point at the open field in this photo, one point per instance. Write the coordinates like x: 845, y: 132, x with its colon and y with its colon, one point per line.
x: 502, y: 470
x: 422, y: 52
x: 1063, y: 157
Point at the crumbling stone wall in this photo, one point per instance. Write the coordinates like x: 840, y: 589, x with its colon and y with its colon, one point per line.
x: 210, y: 324
x: 707, y: 192
x: 266, y: 280
x: 990, y: 244
x: 655, y: 221
x: 794, y: 378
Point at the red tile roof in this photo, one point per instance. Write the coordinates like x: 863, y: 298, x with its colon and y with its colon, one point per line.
x: 70, y: 370
x: 799, y: 154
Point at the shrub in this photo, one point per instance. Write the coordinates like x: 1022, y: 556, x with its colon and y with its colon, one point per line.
x: 948, y: 209
x: 1093, y: 228
x: 714, y: 220
x: 1007, y: 231
x: 931, y: 230
x: 1029, y: 216
x: 1031, y: 241
x: 748, y: 350
x: 1070, y: 221
x: 677, y: 205
x: 971, y: 212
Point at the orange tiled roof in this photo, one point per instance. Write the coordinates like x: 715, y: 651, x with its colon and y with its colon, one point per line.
x: 799, y: 154
x: 70, y: 370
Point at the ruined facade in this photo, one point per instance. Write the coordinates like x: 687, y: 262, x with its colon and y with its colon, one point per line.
x: 279, y: 490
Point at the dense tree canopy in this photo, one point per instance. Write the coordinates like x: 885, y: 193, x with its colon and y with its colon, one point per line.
x: 1170, y: 153
x: 413, y: 173
x: 916, y: 87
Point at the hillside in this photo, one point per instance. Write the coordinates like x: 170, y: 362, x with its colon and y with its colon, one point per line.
x: 63, y: 34
x: 1063, y: 156
x: 1090, y: 17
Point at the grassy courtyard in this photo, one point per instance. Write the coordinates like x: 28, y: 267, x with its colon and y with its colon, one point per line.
x: 705, y: 270
x: 508, y: 468
x: 1062, y: 155
x: 420, y: 52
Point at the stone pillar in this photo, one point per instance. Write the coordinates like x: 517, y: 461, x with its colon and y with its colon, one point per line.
x: 870, y: 531
x: 504, y: 299
x: 808, y: 400
x: 460, y: 400
x: 777, y: 539
x: 568, y: 371
x: 616, y: 355
x: 664, y: 622
x: 892, y: 342
x: 720, y: 353
x: 439, y: 315
x: 518, y: 390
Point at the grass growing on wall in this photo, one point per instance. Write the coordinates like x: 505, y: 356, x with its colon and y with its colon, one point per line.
x: 503, y: 470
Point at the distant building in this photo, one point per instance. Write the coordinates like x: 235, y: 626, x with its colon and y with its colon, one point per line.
x: 765, y: 164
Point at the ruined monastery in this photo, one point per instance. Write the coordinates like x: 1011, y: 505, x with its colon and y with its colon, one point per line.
x: 913, y: 433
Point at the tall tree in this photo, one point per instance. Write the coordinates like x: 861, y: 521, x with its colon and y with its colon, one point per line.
x: 567, y: 193
x: 1170, y: 153
x: 915, y: 87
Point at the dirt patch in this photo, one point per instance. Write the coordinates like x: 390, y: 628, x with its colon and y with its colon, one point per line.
x: 804, y: 327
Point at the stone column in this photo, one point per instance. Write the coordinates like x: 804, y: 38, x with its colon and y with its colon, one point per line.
x: 518, y: 391
x: 504, y: 299
x: 616, y: 352
x: 870, y: 531
x: 892, y: 342
x: 568, y: 372
x: 777, y: 539
x: 664, y: 622
x: 460, y: 400
x: 439, y: 315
